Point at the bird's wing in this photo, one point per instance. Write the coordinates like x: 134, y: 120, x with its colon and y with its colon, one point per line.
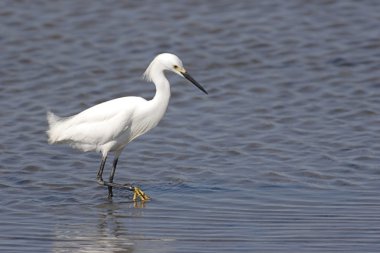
x: 108, y: 109
x: 101, y: 123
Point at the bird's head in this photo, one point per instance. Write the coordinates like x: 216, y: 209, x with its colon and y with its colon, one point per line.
x: 170, y: 62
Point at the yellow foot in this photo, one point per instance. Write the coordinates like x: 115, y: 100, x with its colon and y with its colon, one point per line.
x: 137, y: 192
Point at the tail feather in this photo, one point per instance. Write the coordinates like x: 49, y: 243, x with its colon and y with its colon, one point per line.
x: 53, y: 130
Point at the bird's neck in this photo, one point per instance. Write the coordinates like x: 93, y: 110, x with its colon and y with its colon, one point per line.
x: 161, y: 99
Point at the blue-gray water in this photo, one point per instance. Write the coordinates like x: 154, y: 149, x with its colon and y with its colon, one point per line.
x: 283, y: 155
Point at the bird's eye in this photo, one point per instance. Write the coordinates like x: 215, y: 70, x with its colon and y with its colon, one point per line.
x: 175, y: 66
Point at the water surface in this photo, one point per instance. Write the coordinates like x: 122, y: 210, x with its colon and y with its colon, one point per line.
x: 282, y: 156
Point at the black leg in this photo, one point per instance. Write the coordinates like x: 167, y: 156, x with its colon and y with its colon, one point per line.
x: 136, y: 191
x: 99, y: 176
x: 114, y: 164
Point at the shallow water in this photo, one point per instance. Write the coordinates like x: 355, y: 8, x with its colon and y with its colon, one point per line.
x: 282, y: 156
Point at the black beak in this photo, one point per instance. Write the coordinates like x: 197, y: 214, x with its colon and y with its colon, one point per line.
x: 188, y: 77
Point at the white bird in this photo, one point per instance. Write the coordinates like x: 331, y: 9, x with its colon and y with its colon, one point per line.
x: 111, y: 125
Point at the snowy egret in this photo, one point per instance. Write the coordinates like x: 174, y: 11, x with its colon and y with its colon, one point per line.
x: 111, y: 125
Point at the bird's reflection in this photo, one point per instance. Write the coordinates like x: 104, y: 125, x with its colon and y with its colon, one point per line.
x: 106, y: 233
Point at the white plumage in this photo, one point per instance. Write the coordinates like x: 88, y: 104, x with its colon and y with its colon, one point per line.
x: 111, y: 125
x: 105, y: 127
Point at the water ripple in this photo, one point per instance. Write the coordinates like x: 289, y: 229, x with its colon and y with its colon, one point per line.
x: 281, y: 156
